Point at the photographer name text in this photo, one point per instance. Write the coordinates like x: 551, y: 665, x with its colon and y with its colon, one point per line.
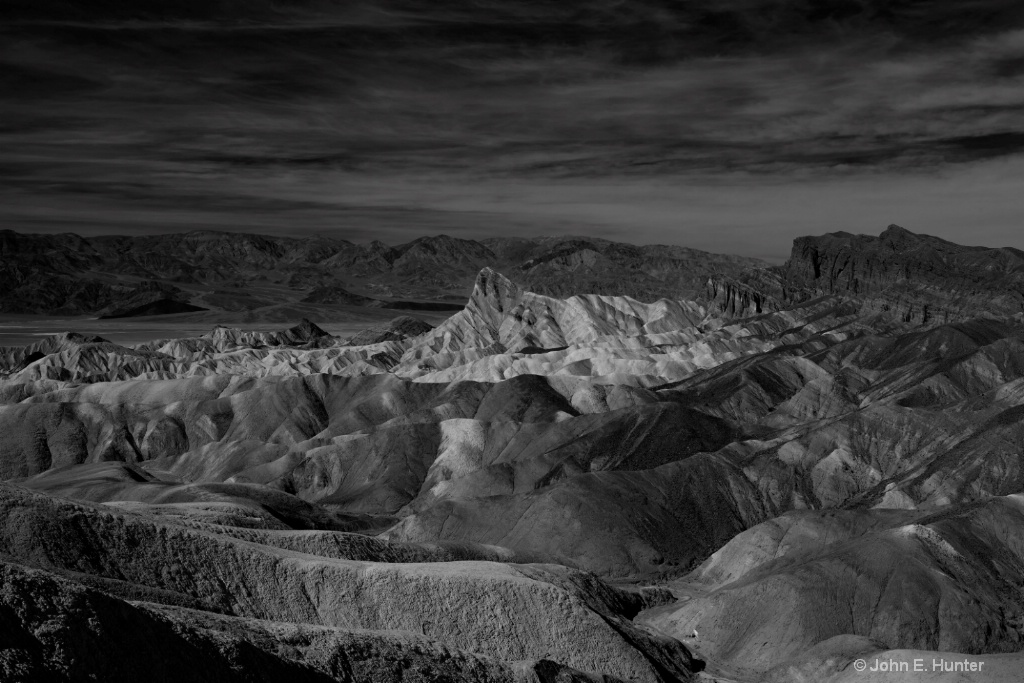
x: 919, y: 665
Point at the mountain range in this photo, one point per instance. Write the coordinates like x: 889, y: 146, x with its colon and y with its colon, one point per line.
x: 798, y: 467
x: 917, y: 278
x: 228, y: 272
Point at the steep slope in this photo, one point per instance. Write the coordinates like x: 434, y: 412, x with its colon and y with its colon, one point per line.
x: 918, y: 277
x: 564, y: 267
x: 915, y: 278
x: 500, y: 312
x: 56, y: 629
x: 457, y: 605
x: 945, y: 580
x: 399, y: 329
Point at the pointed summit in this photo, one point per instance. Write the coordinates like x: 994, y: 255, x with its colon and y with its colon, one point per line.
x: 307, y: 330
x: 899, y: 238
x: 445, y: 251
x: 492, y: 290
x: 895, y: 231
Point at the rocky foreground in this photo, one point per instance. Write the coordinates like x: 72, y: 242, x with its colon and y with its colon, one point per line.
x: 537, y: 489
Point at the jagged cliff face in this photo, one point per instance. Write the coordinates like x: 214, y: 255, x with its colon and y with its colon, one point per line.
x: 914, y: 278
x: 918, y: 278
x: 755, y: 292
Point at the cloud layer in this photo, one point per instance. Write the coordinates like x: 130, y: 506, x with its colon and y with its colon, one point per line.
x: 388, y: 121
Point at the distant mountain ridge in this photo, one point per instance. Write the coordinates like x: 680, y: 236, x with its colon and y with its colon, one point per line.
x: 916, y: 278
x: 911, y: 278
x: 119, y: 275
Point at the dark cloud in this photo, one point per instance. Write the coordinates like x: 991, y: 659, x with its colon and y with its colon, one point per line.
x: 385, y: 119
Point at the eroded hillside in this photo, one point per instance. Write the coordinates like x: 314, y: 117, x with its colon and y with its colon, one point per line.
x: 536, y: 489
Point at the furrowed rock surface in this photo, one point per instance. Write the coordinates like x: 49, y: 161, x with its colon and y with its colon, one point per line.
x: 512, y: 614
x: 56, y: 629
x: 946, y: 579
x: 814, y: 406
x: 819, y: 451
x: 399, y: 329
x: 916, y: 278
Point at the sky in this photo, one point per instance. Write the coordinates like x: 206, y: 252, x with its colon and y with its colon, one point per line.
x: 728, y: 126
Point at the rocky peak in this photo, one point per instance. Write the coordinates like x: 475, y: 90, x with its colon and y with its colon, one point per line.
x: 898, y: 237
x: 402, y: 327
x: 444, y: 249
x: 307, y: 330
x: 381, y: 250
x: 494, y: 291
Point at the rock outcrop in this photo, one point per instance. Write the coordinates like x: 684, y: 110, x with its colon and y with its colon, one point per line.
x: 504, y: 612
x: 914, y: 278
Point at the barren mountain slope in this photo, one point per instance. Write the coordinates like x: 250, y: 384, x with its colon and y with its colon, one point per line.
x: 814, y: 406
x: 917, y: 278
x: 946, y: 580
x: 559, y: 613
x: 830, y: 453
